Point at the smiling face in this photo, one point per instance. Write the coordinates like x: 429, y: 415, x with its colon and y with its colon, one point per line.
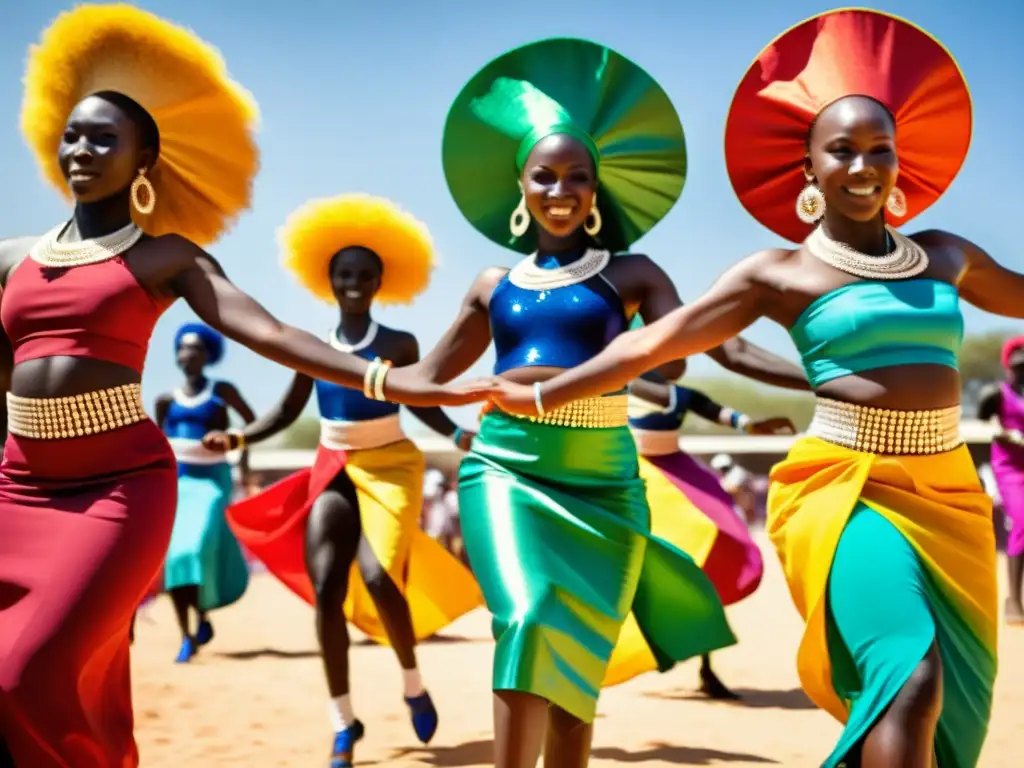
x: 559, y: 182
x: 355, y: 279
x: 101, y: 150
x: 852, y: 156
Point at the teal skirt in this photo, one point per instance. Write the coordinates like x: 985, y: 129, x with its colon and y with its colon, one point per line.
x: 203, y: 552
x: 557, y: 529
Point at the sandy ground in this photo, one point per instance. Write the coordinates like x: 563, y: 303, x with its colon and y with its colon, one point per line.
x: 255, y: 696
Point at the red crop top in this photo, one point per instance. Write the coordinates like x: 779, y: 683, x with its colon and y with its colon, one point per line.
x: 97, y: 311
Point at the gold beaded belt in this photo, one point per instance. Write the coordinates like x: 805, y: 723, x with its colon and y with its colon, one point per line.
x: 881, y: 431
x: 590, y: 412
x: 58, y: 418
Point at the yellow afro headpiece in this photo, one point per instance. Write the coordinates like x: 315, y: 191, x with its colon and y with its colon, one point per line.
x: 208, y: 154
x: 318, y: 229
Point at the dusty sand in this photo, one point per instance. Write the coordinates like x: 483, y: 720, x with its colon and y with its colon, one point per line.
x: 255, y: 696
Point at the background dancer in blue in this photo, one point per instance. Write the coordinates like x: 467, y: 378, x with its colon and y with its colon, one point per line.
x: 205, y: 568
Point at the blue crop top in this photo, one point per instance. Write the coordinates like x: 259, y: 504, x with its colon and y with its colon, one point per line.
x: 192, y: 417
x: 668, y: 420
x: 338, y: 403
x: 872, y: 324
x: 558, y: 327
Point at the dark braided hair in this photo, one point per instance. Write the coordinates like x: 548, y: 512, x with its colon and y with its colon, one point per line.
x: 148, y: 132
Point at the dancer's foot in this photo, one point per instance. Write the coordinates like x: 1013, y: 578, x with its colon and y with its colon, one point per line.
x: 344, y: 745
x: 714, y: 688
x: 1013, y: 612
x: 424, y: 716
x: 205, y: 632
x: 187, y: 651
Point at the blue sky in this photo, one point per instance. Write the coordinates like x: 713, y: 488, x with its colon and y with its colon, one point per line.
x: 354, y: 96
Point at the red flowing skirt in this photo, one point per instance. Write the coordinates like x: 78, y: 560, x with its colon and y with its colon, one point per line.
x: 84, y: 526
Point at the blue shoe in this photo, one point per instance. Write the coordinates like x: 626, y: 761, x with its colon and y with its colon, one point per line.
x: 424, y: 716
x: 344, y: 744
x: 188, y: 650
x: 205, y: 633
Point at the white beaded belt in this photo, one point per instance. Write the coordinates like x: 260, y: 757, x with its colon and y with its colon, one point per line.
x: 656, y: 442
x: 589, y: 413
x: 190, y: 451
x: 59, y: 418
x: 882, y: 431
x: 360, y: 435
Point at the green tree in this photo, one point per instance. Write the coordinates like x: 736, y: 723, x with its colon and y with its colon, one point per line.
x: 304, y: 434
x: 979, y: 356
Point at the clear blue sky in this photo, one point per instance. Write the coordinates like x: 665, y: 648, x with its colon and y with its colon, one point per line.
x: 354, y: 96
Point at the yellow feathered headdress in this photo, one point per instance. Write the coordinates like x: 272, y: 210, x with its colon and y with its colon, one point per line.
x: 208, y: 154
x: 318, y: 229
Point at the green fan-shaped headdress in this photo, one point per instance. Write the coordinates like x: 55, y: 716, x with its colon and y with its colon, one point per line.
x: 575, y: 87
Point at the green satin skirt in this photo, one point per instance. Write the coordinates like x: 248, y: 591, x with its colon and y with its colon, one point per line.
x: 557, y: 530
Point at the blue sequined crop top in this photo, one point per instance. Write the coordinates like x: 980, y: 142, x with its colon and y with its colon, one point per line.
x: 338, y: 403
x: 191, y: 417
x: 558, y: 327
x: 873, y: 324
x: 646, y: 416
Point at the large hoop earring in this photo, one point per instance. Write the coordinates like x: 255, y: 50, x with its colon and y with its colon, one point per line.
x: 141, y: 183
x: 520, y: 220
x: 896, y: 203
x: 593, y: 222
x: 810, y: 204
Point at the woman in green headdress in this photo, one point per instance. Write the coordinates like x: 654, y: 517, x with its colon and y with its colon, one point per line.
x: 585, y: 152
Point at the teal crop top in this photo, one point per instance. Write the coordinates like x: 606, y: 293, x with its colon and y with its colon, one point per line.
x: 873, y: 324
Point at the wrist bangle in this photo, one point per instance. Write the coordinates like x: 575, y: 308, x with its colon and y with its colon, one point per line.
x: 239, y: 436
x: 742, y: 423
x: 369, y: 376
x: 538, y: 399
x: 378, y: 383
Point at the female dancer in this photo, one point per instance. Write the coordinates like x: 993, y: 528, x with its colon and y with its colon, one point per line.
x: 1007, y: 403
x: 121, y: 109
x: 553, y: 510
x: 883, y: 529
x: 346, y: 532
x: 689, y: 507
x: 204, y: 569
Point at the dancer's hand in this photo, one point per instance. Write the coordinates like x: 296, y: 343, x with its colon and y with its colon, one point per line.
x: 465, y: 441
x: 217, y: 441
x: 511, y: 397
x: 779, y: 425
x: 409, y: 387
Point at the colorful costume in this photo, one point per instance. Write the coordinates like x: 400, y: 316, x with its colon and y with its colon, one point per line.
x: 361, y: 437
x: 87, y: 484
x: 554, y: 514
x: 1008, y: 460
x: 879, y: 519
x: 203, y: 551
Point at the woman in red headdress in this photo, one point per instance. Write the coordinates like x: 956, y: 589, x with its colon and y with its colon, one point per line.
x: 1006, y: 401
x: 846, y: 126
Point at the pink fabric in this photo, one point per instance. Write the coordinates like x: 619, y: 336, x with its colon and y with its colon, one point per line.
x: 1008, y: 467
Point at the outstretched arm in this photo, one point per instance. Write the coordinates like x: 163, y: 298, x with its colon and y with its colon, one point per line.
x: 434, y: 417
x: 734, y: 302
x: 233, y: 399
x: 983, y: 282
x: 748, y: 359
x: 221, y: 304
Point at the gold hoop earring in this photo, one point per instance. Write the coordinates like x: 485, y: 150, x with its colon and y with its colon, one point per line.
x: 593, y: 222
x: 896, y: 203
x: 520, y: 220
x: 141, y: 183
x: 810, y: 204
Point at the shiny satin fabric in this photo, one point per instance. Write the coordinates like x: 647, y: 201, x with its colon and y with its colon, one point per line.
x: 557, y: 529
x: 838, y: 519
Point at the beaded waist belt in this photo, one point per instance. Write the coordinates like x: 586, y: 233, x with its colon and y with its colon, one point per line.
x: 590, y: 412
x: 882, y: 431
x: 360, y: 435
x: 58, y: 418
x: 656, y: 442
